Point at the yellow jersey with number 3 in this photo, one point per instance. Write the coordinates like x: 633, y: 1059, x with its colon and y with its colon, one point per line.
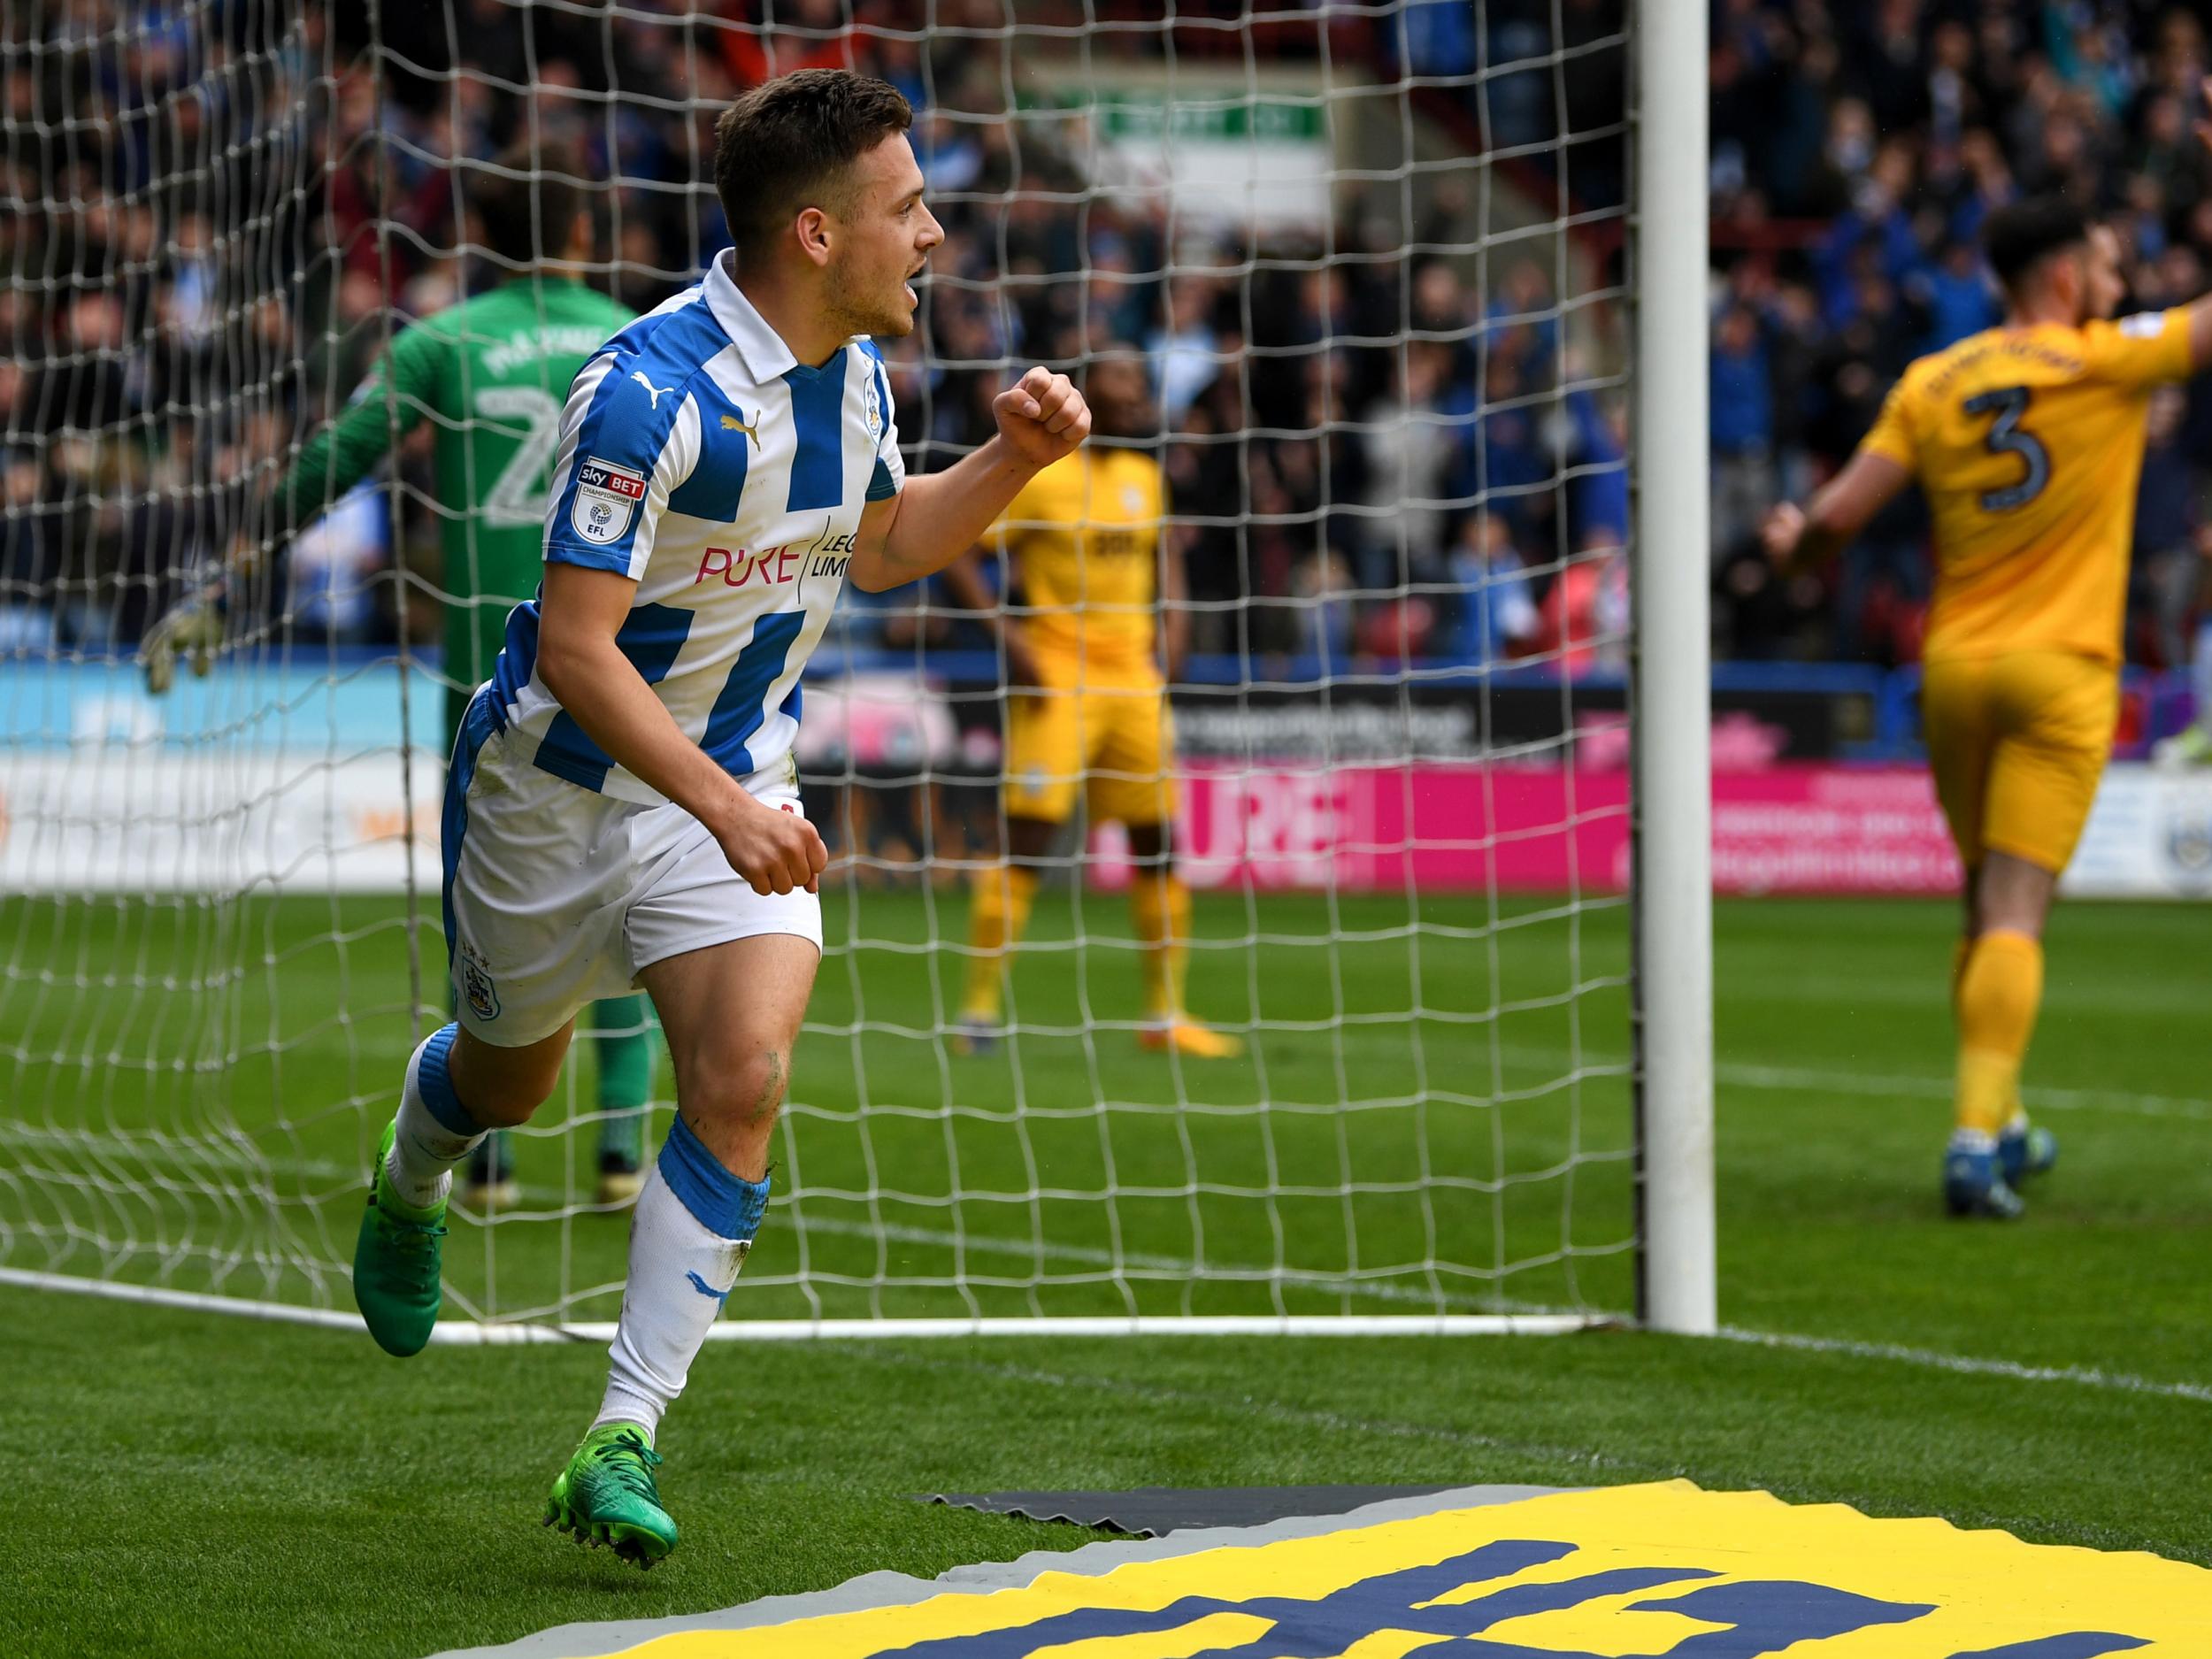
x: 1083, y: 538
x: 2028, y: 444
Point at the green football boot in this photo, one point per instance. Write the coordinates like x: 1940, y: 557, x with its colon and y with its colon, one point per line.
x: 606, y: 1496
x: 395, y: 1264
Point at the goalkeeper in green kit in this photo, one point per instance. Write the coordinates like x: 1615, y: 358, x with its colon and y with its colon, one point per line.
x: 491, y: 373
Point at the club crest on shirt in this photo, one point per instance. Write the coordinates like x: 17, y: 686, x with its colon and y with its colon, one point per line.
x: 874, y: 406
x: 606, y: 497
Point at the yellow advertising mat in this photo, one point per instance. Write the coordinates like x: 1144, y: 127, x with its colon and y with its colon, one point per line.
x: 1613, y: 1573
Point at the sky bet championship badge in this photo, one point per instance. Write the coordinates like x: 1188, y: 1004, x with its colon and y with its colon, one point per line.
x: 1660, y: 1569
x: 606, y: 496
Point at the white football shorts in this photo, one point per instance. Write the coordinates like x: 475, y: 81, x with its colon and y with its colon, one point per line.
x: 556, y: 896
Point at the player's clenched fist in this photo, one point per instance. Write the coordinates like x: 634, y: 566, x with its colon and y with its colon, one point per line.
x: 1041, y: 417
x: 1781, y: 531
x: 777, y: 851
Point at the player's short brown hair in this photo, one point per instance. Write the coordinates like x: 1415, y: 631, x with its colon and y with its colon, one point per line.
x: 2019, y: 236
x: 781, y: 147
x: 528, y: 199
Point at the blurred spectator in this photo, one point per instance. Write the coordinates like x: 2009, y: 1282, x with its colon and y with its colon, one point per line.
x: 1742, y: 426
x: 1186, y: 351
x: 333, y: 563
x: 1495, y: 618
x: 2169, y: 528
x: 1412, y: 441
x: 1583, y: 623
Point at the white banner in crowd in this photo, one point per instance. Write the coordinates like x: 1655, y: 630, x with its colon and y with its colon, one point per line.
x: 154, y: 820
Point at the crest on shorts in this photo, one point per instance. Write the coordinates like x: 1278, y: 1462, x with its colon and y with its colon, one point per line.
x: 476, y: 986
x: 606, y: 496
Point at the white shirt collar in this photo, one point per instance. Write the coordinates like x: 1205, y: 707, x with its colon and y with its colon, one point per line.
x: 765, y: 355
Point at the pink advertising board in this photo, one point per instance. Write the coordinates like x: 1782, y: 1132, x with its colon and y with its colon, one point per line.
x: 1783, y: 828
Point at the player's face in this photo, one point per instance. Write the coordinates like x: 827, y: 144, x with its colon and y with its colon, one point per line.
x: 886, y: 236
x: 1120, y: 399
x: 2102, y: 286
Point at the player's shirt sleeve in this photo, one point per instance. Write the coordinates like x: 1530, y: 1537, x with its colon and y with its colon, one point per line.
x: 887, y: 478
x: 1894, y: 436
x: 2139, y: 350
x: 399, y: 390
x: 624, y: 444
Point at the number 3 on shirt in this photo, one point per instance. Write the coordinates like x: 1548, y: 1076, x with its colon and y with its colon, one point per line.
x: 2008, y: 405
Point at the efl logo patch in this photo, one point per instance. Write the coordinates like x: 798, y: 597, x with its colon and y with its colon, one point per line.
x: 1660, y: 1569
x: 606, y: 496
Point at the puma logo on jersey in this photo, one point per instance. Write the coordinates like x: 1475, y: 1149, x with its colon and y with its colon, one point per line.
x: 731, y: 423
x: 651, y: 390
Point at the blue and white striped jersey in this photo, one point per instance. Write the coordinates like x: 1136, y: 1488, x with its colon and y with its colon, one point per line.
x: 698, y: 457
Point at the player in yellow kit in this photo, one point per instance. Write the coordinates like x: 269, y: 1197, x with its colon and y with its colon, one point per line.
x: 1086, y: 708
x: 2027, y: 439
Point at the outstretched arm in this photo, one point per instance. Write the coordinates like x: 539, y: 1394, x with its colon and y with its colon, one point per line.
x: 1802, y: 538
x: 391, y: 403
x: 933, y: 520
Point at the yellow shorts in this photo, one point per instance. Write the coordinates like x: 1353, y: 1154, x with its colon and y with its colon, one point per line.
x: 1114, y: 736
x: 2018, y: 744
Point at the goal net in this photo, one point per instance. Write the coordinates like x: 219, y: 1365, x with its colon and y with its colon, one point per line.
x: 1375, y: 260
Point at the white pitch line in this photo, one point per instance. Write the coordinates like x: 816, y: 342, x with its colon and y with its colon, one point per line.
x: 1744, y: 1074
x: 1966, y: 1364
x: 1935, y: 1088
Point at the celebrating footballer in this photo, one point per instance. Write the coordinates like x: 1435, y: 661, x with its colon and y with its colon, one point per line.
x: 622, y: 809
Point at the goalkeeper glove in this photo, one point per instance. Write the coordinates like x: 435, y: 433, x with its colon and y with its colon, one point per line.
x: 193, y: 628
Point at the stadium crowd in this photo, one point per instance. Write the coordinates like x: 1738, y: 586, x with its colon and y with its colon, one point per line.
x: 1384, y: 456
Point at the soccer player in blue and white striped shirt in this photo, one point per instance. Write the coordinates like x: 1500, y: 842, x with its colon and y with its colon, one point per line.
x: 623, y: 807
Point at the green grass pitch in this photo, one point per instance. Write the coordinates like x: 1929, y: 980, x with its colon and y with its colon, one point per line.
x: 190, y: 1484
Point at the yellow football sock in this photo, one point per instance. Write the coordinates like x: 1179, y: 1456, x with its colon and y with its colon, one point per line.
x: 1998, y: 996
x: 1159, y: 907
x: 1961, y: 952
x: 1002, y: 896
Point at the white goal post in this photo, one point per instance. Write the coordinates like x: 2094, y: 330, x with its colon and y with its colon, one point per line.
x: 1421, y: 291
x: 1678, y: 1279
